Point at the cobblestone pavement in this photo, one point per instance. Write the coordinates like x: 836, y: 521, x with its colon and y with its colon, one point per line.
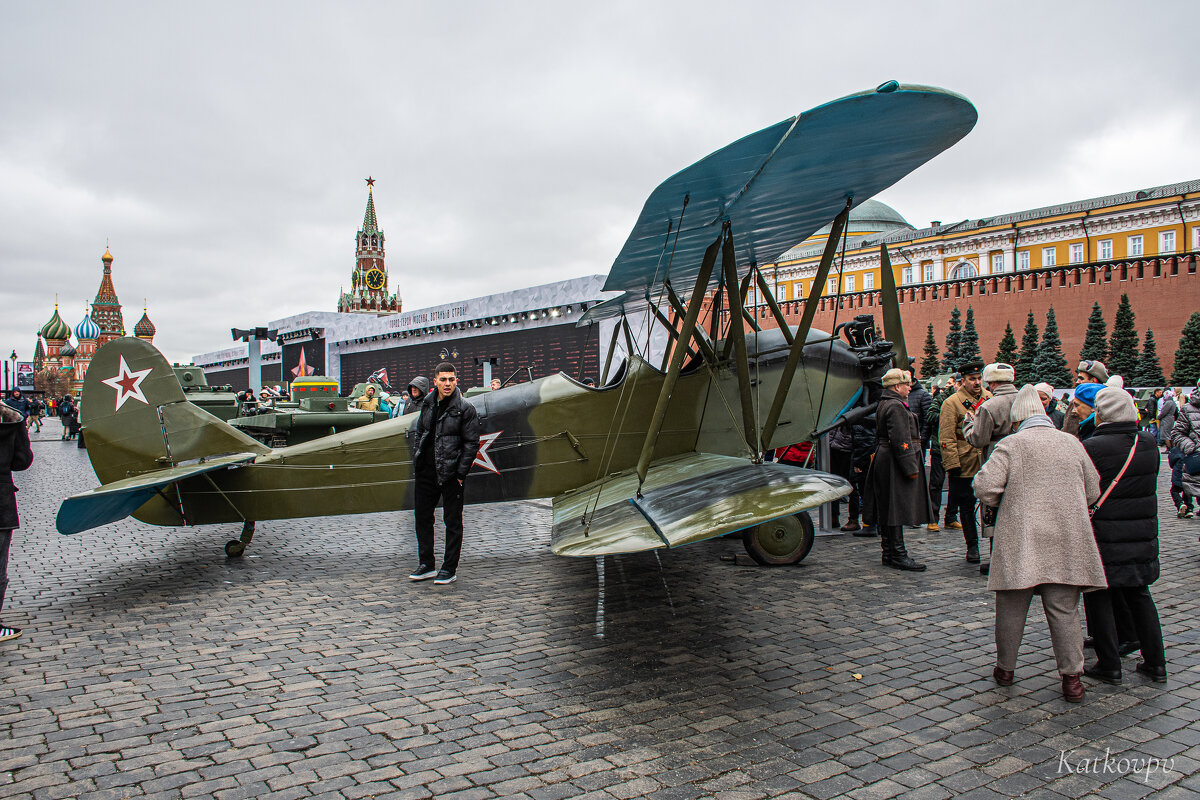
x: 153, y: 666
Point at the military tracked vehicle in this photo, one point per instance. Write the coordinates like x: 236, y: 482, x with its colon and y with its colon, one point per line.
x: 315, y: 410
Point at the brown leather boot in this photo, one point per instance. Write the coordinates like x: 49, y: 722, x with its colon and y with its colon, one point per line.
x: 1072, y: 688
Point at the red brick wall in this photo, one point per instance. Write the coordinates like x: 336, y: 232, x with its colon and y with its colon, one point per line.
x: 1163, y: 293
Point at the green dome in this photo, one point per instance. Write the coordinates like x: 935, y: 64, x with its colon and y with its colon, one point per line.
x: 55, y: 328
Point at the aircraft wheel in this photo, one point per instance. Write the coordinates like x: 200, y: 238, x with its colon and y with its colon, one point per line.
x: 234, y: 548
x: 783, y: 541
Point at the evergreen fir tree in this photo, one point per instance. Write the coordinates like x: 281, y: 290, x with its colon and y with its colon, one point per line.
x: 1007, y: 354
x: 1095, y: 343
x: 1123, y: 346
x: 1050, y: 365
x: 930, y: 363
x: 968, y: 343
x: 1187, y: 357
x: 951, y: 357
x: 1149, y: 370
x: 1028, y: 354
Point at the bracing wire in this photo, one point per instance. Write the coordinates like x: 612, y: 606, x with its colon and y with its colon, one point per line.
x: 837, y: 307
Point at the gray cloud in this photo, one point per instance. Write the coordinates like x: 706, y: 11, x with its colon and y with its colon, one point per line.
x: 220, y: 146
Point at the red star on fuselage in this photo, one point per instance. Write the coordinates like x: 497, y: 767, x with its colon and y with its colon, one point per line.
x: 128, y: 383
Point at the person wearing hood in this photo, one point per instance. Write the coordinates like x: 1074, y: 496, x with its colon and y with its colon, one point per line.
x: 15, y: 454
x: 1043, y: 482
x: 896, y: 482
x: 418, y: 387
x: 1125, y: 522
x: 1184, y: 435
x: 1083, y: 410
x: 1168, y: 411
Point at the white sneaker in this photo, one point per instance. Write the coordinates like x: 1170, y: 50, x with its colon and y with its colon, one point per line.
x: 444, y: 578
x: 7, y: 632
x: 423, y: 574
x: 1184, y: 511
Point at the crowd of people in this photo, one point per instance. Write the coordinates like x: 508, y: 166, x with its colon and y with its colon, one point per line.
x: 34, y: 409
x: 1065, y: 499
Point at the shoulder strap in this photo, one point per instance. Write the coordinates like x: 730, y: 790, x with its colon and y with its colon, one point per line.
x: 1092, y: 511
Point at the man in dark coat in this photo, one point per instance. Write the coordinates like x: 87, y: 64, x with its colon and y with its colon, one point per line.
x: 447, y: 434
x: 15, y: 454
x: 1125, y: 523
x: 1166, y: 416
x: 897, y: 481
x: 414, y: 395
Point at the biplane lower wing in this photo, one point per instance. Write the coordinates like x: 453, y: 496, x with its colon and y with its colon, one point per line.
x: 119, y: 499
x: 685, y: 499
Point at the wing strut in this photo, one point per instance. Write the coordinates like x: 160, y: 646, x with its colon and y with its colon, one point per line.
x: 612, y: 346
x: 893, y: 328
x: 737, y: 332
x: 677, y: 355
x: 806, y: 320
x: 780, y: 320
x: 698, y: 332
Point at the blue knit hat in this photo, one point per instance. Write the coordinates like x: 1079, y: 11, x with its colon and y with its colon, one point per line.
x: 1086, y: 393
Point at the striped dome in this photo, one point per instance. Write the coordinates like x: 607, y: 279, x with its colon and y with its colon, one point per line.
x: 67, y: 351
x: 55, y: 328
x: 87, y: 329
x: 145, y: 328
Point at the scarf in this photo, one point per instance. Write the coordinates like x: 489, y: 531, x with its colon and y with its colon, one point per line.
x: 1036, y: 421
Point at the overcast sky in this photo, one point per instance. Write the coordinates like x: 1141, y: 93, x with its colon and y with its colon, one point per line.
x: 220, y: 148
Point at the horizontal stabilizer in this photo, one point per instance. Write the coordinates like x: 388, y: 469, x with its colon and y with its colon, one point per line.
x: 685, y: 499
x: 119, y: 499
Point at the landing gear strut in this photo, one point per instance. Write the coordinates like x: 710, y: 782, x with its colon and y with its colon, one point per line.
x: 235, y: 547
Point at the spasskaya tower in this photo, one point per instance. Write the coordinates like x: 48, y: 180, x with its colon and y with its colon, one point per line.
x: 369, y: 280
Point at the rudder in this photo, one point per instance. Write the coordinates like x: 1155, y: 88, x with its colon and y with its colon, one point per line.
x: 137, y: 419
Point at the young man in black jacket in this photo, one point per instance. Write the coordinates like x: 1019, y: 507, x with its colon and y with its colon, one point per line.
x: 447, y: 435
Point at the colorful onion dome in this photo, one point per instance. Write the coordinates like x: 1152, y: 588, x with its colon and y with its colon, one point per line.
x: 87, y: 328
x: 145, y: 328
x: 107, y: 257
x: 67, y: 351
x: 55, y: 328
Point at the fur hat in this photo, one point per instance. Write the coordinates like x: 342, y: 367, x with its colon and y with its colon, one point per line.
x: 999, y: 373
x: 1115, y: 405
x: 1086, y: 393
x: 1045, y: 389
x: 1026, y: 404
x: 1094, y: 368
x: 894, y: 376
x: 1116, y: 381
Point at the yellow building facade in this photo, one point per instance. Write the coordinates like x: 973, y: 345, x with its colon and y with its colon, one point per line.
x: 1147, y: 223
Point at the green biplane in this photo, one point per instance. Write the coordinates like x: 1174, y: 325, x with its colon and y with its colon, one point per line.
x: 654, y: 457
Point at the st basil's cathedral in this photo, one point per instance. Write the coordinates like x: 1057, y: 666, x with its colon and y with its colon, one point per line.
x: 102, y: 323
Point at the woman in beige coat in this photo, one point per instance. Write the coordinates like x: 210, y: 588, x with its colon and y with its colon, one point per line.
x: 1043, y: 482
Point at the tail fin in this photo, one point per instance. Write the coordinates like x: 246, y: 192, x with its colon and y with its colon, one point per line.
x: 137, y: 418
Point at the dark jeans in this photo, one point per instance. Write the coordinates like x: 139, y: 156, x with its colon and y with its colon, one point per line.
x: 960, y: 502
x: 428, y: 492
x: 840, y: 464
x: 1102, y: 624
x: 937, y: 477
x: 5, y: 541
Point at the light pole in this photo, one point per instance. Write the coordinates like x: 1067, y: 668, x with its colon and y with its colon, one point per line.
x: 12, y: 383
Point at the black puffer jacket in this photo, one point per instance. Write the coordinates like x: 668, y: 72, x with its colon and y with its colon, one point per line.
x: 456, y: 440
x: 919, y: 402
x: 15, y: 454
x: 1126, y: 526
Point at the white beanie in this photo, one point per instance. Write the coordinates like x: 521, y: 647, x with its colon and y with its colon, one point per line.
x: 1116, y: 381
x: 999, y: 373
x: 1115, y: 405
x: 1026, y: 404
x: 1045, y: 389
x: 894, y: 376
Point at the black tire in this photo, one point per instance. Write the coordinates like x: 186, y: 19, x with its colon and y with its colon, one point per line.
x: 234, y: 548
x: 783, y: 541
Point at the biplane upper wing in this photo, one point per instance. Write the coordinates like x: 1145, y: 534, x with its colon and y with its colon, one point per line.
x: 119, y: 499
x: 780, y: 185
x: 685, y: 499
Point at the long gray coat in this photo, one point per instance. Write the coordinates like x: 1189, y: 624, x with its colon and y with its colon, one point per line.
x: 1043, y: 481
x: 897, y: 498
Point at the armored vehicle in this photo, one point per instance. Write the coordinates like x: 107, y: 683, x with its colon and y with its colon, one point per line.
x: 315, y: 410
x: 220, y: 401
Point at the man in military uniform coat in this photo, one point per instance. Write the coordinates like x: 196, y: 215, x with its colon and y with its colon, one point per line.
x: 897, y: 480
